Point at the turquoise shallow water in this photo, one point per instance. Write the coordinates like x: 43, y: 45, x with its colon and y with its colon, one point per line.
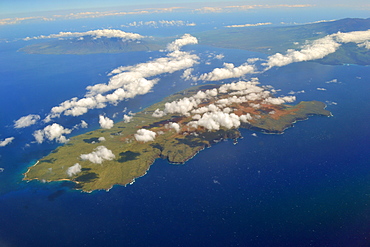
x: 307, y: 187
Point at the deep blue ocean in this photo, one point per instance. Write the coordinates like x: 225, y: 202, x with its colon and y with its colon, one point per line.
x: 307, y: 187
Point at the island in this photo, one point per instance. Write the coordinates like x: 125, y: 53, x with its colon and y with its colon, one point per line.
x: 89, y: 45
x: 176, y: 129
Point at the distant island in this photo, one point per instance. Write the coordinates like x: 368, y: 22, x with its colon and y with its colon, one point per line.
x: 175, y: 129
x: 265, y: 39
x: 90, y: 45
x: 271, y: 40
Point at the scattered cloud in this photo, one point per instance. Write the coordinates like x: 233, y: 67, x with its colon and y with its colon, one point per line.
x: 99, y: 155
x: 333, y: 81
x: 101, y: 139
x: 321, y: 89
x: 173, y: 125
x: 296, y: 92
x: 6, y: 141
x: 84, y: 15
x: 26, y: 121
x: 73, y: 170
x: 127, y: 118
x: 221, y: 112
x: 101, y: 14
x: 162, y: 23
x: 105, y: 122
x: 219, y: 56
x: 250, y: 25
x: 83, y: 125
x: 128, y: 81
x: 247, y: 7
x: 96, y: 34
x: 52, y: 132
x: 143, y: 135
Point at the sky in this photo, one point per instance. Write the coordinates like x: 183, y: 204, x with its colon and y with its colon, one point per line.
x: 27, y: 6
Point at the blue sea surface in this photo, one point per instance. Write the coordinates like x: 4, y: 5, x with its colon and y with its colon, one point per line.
x: 307, y: 187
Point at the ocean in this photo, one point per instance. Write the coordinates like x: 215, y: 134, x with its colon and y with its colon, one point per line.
x: 309, y: 186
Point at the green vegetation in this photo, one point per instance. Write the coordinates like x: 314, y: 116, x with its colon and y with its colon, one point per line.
x: 133, y: 158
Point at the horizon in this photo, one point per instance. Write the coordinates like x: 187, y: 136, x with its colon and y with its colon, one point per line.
x: 21, y: 7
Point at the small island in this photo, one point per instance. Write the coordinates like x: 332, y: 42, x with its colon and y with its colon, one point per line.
x: 175, y: 129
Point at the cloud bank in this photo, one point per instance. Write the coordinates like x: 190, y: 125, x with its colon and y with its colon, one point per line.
x: 250, y: 25
x: 99, y: 155
x: 319, y: 48
x: 129, y: 81
x: 96, y: 34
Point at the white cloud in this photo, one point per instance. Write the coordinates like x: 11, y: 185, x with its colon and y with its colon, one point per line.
x: 242, y: 85
x: 99, y: 155
x: 251, y: 25
x: 6, y: 141
x: 105, y: 122
x: 214, y: 120
x: 144, y: 135
x: 227, y: 72
x: 245, y: 118
x: 353, y: 37
x: 333, y: 81
x: 365, y: 44
x: 296, y: 92
x: 182, y: 106
x: 218, y: 106
x: 186, y: 39
x: 158, y: 113
x: 127, y: 118
x: 84, y: 124
x: 279, y: 100
x: 319, y: 48
x: 52, y: 132
x: 102, y: 139
x: 26, y: 121
x: 175, y: 126
x: 97, y: 34
x: 73, y: 170
x: 321, y: 89
x: 219, y: 56
x: 187, y: 75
